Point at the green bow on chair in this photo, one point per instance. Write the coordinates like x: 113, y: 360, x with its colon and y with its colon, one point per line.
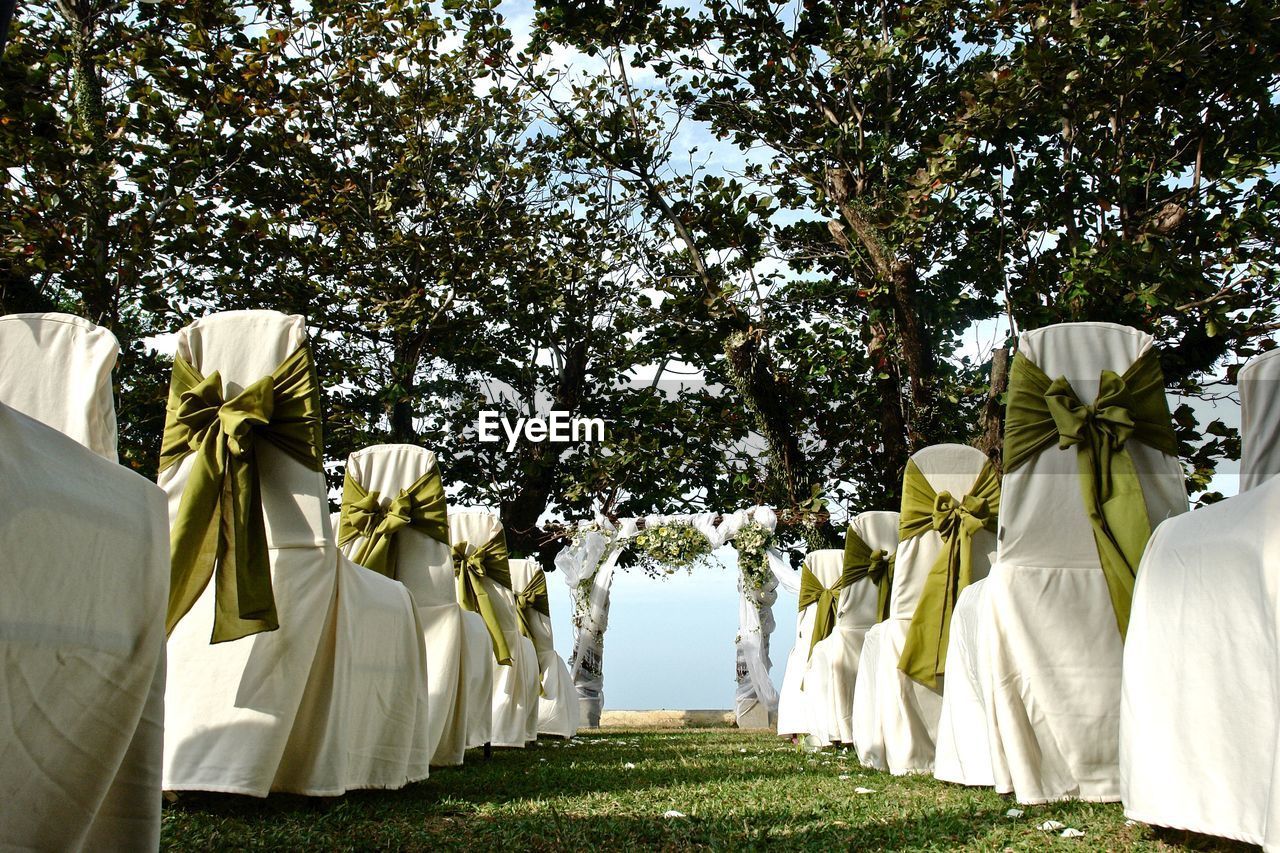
x: 421, y: 506
x: 219, y: 526
x: 956, y: 521
x: 487, y: 561
x: 1129, y: 407
x: 533, y: 598
x: 876, y: 565
x: 826, y: 598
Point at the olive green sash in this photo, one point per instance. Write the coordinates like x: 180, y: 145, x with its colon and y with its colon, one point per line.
x: 876, y: 565
x: 1128, y: 406
x: 813, y: 592
x: 956, y: 521
x: 489, y: 560
x: 219, y: 524
x: 533, y: 597
x: 420, y: 506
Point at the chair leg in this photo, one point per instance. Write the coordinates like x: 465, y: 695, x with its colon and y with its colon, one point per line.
x: 488, y: 750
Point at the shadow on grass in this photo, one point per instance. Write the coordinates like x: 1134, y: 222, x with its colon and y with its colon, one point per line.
x: 1195, y: 841
x: 551, y: 830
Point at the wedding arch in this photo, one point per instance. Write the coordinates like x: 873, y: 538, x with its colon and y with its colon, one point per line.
x: 665, y: 543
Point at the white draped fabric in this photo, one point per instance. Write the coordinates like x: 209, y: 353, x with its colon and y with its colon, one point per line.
x: 908, y: 711
x: 594, y: 556
x: 515, y: 687
x: 868, y: 735
x: 460, y: 679
x: 558, y: 698
x: 56, y: 368
x: 833, y: 670
x: 336, y: 698
x: 802, y: 702
x: 818, y: 686
x: 1053, y: 647
x: 964, y: 747
x: 1201, y: 689
x: 82, y: 602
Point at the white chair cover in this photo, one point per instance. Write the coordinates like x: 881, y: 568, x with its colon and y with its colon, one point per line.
x: 558, y: 702
x: 460, y: 678
x: 56, y: 368
x: 833, y: 671
x: 800, y: 712
x: 868, y: 735
x: 337, y: 697
x: 82, y: 599
x: 1201, y: 690
x: 1054, y: 651
x: 515, y: 687
x: 964, y: 748
x: 908, y: 711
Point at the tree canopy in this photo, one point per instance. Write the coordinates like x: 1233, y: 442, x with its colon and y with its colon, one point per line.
x: 759, y: 239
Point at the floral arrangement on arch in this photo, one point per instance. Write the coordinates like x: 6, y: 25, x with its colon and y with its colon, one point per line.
x: 751, y: 542
x: 660, y: 551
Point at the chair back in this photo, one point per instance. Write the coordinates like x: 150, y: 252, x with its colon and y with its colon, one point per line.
x: 523, y: 573
x: 1042, y: 519
x: 423, y: 564
x: 1259, y: 382
x: 474, y: 528
x: 952, y: 468
x: 56, y: 368
x: 243, y: 347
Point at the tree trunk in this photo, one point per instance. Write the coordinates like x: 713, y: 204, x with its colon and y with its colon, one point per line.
x: 991, y: 442
x: 404, y: 370
x: 900, y: 281
x: 6, y: 15
x: 768, y: 399
x: 89, y: 126
x: 540, y: 466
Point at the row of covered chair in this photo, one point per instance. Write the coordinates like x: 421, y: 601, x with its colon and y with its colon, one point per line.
x: 305, y: 653
x: 1018, y: 651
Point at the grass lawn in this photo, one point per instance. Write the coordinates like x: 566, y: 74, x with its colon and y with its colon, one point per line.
x: 610, y: 790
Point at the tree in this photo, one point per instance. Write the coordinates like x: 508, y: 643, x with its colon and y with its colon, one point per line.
x: 1071, y: 160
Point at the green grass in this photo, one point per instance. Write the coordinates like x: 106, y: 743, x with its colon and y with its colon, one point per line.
x: 737, y: 790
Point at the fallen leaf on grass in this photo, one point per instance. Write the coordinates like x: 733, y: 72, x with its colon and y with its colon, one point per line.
x: 1072, y: 832
x: 673, y: 813
x: 1014, y: 813
x: 864, y: 790
x: 1051, y: 826
x: 845, y: 777
x: 628, y: 766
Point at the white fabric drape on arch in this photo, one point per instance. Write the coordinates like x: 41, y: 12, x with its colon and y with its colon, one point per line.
x: 594, y: 557
x: 336, y: 698
x: 1199, y: 748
